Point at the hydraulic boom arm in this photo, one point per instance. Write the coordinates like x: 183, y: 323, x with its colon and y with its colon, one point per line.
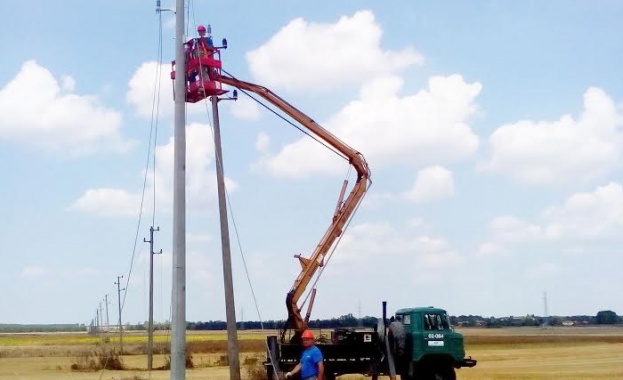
x: 344, y: 209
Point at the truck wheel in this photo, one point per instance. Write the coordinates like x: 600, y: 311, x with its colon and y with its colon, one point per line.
x: 443, y: 373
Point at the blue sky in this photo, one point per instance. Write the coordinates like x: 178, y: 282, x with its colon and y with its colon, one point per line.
x: 493, y: 131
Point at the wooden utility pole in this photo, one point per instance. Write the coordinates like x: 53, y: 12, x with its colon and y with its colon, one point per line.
x: 150, y: 326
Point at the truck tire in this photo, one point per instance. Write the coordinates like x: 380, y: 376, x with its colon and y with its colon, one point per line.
x: 441, y: 373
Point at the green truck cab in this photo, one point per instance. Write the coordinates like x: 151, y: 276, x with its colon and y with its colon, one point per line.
x: 427, y: 347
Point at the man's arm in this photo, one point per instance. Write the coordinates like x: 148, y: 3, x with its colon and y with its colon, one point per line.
x: 320, y: 370
x: 294, y: 371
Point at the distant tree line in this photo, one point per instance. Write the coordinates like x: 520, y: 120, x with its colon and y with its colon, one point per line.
x: 604, y: 317
x: 42, y: 328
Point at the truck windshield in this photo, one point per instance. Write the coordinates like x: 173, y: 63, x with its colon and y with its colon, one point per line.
x: 436, y: 322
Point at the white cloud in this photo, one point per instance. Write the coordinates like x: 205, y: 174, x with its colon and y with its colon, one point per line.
x: 491, y: 249
x: 427, y: 128
x: 262, y: 141
x: 200, y: 175
x: 200, y: 180
x: 510, y: 228
x: 565, y: 150
x: 381, y: 241
x: 142, y: 89
x: 37, y: 110
x: 432, y: 184
x: 330, y: 55
x: 416, y: 222
x: 244, y: 108
x: 588, y: 215
x: 108, y: 202
x: 34, y: 272
x: 435, y: 252
x: 584, y: 216
x: 68, y: 83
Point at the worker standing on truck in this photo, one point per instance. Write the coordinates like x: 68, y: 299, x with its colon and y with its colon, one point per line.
x: 311, y: 364
x: 397, y: 337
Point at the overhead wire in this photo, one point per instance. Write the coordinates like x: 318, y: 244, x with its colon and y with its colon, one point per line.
x: 153, y: 132
x: 287, y: 120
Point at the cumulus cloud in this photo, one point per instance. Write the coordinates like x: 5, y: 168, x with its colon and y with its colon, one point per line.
x: 582, y: 216
x: 372, y: 241
x: 200, y: 180
x: 330, y: 55
x: 588, y: 214
x: 432, y: 184
x: 429, y: 127
x: 262, y: 141
x: 34, y: 272
x: 513, y: 229
x: 541, y: 152
x: 244, y: 108
x: 108, y: 202
x: 144, y: 85
x: 491, y: 249
x: 38, y: 110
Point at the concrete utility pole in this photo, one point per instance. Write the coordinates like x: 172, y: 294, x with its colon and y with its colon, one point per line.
x: 230, y: 306
x: 150, y: 326
x: 97, y: 320
x: 101, y: 318
x: 107, y: 320
x: 178, y: 297
x: 119, y: 290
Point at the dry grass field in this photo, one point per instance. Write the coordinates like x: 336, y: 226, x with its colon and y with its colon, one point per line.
x: 503, y: 354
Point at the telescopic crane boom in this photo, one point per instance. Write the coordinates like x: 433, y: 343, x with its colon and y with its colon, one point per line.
x: 343, y: 211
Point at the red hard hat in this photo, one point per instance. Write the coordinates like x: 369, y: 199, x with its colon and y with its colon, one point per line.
x: 307, y: 334
x: 201, y: 28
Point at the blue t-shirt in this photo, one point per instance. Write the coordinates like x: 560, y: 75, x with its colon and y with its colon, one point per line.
x: 309, y: 359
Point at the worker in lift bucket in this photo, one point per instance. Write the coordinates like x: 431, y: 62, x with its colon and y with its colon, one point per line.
x: 203, y: 44
x: 199, y: 47
x: 310, y: 366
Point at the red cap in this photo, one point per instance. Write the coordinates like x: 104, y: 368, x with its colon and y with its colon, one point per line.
x: 201, y: 28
